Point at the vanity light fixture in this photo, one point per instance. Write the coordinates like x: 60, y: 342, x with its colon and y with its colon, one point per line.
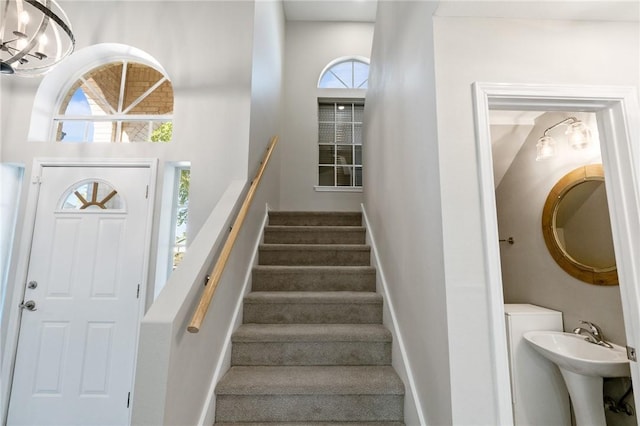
x: 578, y: 135
x: 34, y: 36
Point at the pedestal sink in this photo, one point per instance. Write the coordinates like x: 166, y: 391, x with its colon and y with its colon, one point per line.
x: 583, y: 365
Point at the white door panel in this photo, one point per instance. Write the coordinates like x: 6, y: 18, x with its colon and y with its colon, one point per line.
x: 76, y: 351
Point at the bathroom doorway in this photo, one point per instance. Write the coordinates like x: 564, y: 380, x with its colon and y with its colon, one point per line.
x: 616, y: 112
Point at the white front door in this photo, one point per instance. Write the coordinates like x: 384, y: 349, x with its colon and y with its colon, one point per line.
x: 79, y: 326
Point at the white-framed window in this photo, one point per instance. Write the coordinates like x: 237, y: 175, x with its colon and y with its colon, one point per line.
x: 174, y: 217
x: 120, y: 101
x: 180, y: 215
x: 341, y: 91
x: 11, y: 178
x: 340, y: 143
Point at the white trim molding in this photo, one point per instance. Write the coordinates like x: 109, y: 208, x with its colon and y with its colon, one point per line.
x: 402, y: 366
x: 618, y: 116
x: 207, y: 416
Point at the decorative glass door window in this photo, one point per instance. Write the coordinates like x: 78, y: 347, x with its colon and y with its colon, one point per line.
x: 340, y: 144
x: 92, y: 195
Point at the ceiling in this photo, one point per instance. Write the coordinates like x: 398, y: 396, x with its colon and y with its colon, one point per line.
x: 590, y: 10
x: 365, y: 10
x: 331, y: 10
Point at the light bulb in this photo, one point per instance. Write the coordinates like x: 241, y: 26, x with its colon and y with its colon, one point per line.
x: 21, y: 43
x: 545, y: 148
x: 579, y: 135
x: 24, y: 17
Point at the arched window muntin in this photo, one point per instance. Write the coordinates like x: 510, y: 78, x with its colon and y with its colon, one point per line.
x: 354, y: 78
x: 91, y: 196
x: 113, y: 121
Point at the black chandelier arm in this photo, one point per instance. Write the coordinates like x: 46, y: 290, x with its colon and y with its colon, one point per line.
x: 13, y: 50
x: 5, y: 43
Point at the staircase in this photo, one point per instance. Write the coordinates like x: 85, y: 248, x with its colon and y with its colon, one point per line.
x: 312, y: 349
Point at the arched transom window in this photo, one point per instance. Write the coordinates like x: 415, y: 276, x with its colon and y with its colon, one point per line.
x: 120, y: 101
x: 345, y: 74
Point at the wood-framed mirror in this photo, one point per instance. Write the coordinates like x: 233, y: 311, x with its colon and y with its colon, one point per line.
x: 577, y: 229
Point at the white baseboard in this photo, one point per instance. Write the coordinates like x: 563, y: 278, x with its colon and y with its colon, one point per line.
x: 207, y: 416
x: 414, y: 413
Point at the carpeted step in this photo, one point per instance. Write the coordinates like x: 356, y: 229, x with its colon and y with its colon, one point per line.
x: 310, y: 394
x: 311, y: 344
x: 312, y: 350
x: 288, y: 307
x: 313, y: 278
x: 281, y: 234
x: 314, y: 254
x: 315, y: 218
x: 312, y: 424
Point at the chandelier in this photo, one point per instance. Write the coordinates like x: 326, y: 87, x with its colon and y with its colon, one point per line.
x: 34, y: 36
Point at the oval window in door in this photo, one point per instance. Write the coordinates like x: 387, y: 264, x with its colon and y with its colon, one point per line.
x: 92, y: 195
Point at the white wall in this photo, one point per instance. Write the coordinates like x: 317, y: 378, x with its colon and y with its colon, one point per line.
x: 176, y: 370
x: 212, y: 88
x: 402, y: 194
x: 413, y: 175
x: 500, y: 50
x: 529, y: 273
x: 267, y: 85
x: 309, y: 47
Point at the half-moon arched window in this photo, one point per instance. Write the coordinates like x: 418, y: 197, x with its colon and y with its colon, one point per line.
x: 349, y: 73
x: 121, y: 101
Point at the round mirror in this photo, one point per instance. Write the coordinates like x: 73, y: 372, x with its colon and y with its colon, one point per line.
x: 577, y: 228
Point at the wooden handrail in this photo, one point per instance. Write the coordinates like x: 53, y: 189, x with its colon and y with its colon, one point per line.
x: 216, y: 272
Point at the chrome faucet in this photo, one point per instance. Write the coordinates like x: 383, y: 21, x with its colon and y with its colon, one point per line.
x: 593, y: 335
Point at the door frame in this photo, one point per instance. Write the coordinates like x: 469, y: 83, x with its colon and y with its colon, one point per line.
x: 24, y: 253
x: 618, y: 116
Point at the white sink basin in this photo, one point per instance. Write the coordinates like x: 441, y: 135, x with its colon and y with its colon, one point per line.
x: 570, y: 351
x: 582, y: 365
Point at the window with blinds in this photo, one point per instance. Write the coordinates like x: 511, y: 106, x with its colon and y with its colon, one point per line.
x: 340, y: 143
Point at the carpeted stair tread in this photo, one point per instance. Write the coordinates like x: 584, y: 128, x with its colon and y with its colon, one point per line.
x: 313, y: 278
x: 314, y: 254
x: 311, y: 344
x: 282, y: 234
x: 312, y: 424
x: 313, y: 297
x: 312, y: 349
x: 315, y: 247
x: 311, y: 380
x: 311, y: 333
x: 309, y: 307
x: 302, y: 218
